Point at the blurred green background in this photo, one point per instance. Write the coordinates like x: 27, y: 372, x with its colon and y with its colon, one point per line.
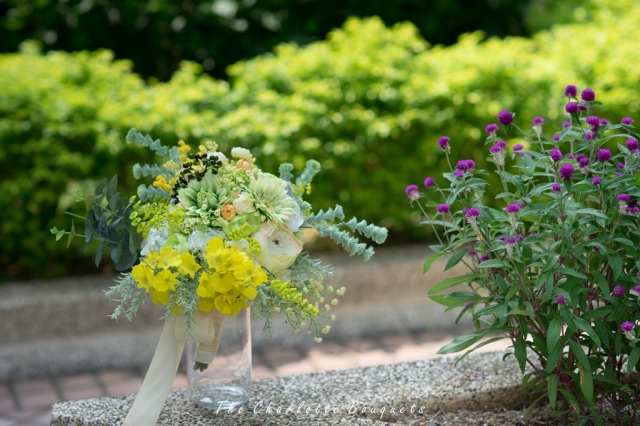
x: 366, y: 96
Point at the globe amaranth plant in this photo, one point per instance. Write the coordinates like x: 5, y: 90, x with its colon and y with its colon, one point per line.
x: 556, y: 269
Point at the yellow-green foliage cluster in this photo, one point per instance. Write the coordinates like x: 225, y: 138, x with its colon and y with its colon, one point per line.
x: 369, y: 103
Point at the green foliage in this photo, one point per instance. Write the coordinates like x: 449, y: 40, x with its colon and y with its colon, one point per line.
x: 157, y: 34
x: 369, y: 103
x: 554, y: 266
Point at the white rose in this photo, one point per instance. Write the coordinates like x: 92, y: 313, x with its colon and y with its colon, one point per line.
x: 243, y: 153
x: 243, y: 204
x: 279, y: 247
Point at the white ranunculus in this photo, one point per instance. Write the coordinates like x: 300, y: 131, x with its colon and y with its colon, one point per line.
x: 279, y: 247
x: 155, y: 240
x: 242, y: 153
x: 296, y: 220
x: 243, y: 204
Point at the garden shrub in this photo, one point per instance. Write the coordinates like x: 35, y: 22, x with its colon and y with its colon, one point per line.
x: 369, y: 102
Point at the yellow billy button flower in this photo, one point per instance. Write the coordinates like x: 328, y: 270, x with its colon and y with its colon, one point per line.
x: 143, y: 276
x: 169, y: 257
x: 189, y: 266
x: 165, y: 281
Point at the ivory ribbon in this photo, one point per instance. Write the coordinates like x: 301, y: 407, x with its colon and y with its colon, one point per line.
x: 206, y: 330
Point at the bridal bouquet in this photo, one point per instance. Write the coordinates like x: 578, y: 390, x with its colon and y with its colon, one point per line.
x: 214, y: 233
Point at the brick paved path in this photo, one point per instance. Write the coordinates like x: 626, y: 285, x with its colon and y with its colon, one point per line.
x: 29, y: 402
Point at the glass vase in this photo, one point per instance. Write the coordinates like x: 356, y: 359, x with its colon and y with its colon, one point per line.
x: 226, y: 382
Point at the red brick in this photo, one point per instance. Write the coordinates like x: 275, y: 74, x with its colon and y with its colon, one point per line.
x: 39, y: 400
x: 31, y: 386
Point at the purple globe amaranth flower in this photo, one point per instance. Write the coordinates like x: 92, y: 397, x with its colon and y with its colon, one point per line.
x: 588, y: 95
x: 582, y: 160
x: 571, y: 156
x: 556, y: 137
x: 429, y: 181
x: 473, y: 212
x: 590, y: 135
x: 582, y: 106
x: 571, y: 107
x: 632, y: 145
x: 505, y: 117
x: 443, y: 208
x: 512, y: 208
x: 520, y: 236
x: 560, y: 299
x: 597, y: 248
x: 508, y: 240
x: 458, y: 173
x: 472, y: 253
x: 518, y: 147
x: 623, y: 197
x: 594, y: 122
x: 412, y: 192
x: 604, y: 155
x: 484, y: 257
x: 466, y: 165
x: 627, y: 326
x: 604, y: 122
x: 571, y: 91
x: 567, y: 171
x: 556, y: 187
x: 619, y: 291
x: 566, y: 124
x: 627, y: 120
x: 634, y: 210
x: 495, y: 148
x: 491, y: 128
x: 597, y: 180
x: 533, y: 234
x: 635, y: 291
x: 443, y: 142
x: 538, y: 120
x: 501, y: 144
x: 468, y: 304
x: 555, y: 154
x: 620, y: 165
x: 618, y: 174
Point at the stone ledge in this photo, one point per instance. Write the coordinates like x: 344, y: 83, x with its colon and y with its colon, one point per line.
x: 480, y: 382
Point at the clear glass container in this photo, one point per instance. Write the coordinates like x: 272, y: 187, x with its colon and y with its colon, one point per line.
x: 226, y: 382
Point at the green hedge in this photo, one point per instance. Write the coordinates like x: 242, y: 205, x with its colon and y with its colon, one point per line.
x: 369, y: 103
x: 157, y: 34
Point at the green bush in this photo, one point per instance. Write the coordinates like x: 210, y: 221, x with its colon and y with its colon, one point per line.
x: 157, y: 34
x: 369, y: 103
x: 63, y: 118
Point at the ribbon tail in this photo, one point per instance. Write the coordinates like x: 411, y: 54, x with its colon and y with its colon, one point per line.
x: 157, y: 383
x: 206, y: 351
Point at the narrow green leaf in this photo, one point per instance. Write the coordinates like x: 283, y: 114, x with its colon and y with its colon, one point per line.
x: 72, y: 233
x: 552, y: 389
x: 60, y: 234
x: 100, y: 188
x: 584, y: 326
x: 615, y: 261
x: 455, y: 259
x: 571, y: 400
x: 592, y: 212
x: 99, y: 252
x: 553, y: 335
x: 463, y: 342
x: 512, y: 292
x: 111, y: 188
x: 88, y: 202
x: 554, y: 358
x: 586, y: 379
x: 634, y: 357
x: 572, y: 273
x: 453, y: 281
x: 520, y: 350
x: 492, y: 263
x: 430, y: 260
x: 479, y: 345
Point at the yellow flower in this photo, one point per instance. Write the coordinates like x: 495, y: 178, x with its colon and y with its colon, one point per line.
x: 161, y: 183
x: 143, y: 276
x: 206, y: 304
x: 246, y: 271
x: 169, y: 257
x: 206, y: 286
x: 230, y: 303
x: 189, y: 266
x: 152, y: 260
x: 165, y: 281
x: 160, y: 297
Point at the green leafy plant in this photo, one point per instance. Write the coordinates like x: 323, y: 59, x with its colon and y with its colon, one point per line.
x: 555, y: 268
